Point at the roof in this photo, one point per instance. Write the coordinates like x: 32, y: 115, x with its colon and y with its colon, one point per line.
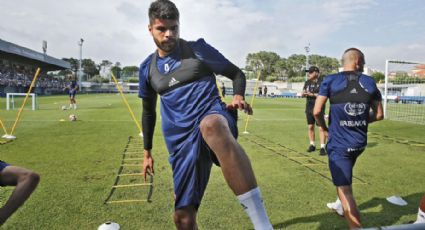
x: 49, y: 62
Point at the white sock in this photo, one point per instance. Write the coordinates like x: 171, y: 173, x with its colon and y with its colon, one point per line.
x: 421, y: 217
x: 322, y: 146
x: 70, y: 106
x: 312, y: 143
x: 75, y: 106
x: 253, y: 205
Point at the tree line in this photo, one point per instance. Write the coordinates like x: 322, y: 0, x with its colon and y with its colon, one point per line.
x: 91, y: 70
x: 272, y: 67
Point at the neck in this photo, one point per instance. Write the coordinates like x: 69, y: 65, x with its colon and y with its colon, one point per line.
x: 162, y: 53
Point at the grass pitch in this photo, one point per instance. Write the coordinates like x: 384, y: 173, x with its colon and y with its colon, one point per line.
x: 78, y: 162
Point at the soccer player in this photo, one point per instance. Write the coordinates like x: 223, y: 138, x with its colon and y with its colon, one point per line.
x: 355, y: 102
x: 72, y: 91
x: 25, y: 182
x: 197, y: 126
x: 310, y: 92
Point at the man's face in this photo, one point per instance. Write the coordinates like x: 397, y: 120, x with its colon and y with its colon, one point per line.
x: 165, y: 33
x: 313, y: 75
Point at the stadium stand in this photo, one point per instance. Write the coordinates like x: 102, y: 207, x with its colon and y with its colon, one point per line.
x: 18, y: 65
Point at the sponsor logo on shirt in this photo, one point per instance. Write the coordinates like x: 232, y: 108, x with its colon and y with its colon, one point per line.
x: 355, y: 109
x: 353, y: 91
x: 172, y: 82
x: 352, y: 123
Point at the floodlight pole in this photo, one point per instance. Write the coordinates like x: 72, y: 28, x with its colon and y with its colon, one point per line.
x: 307, y: 65
x: 80, y: 71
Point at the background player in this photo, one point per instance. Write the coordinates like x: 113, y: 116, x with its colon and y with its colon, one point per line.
x: 355, y: 102
x: 310, y: 92
x: 72, y: 91
x: 197, y: 127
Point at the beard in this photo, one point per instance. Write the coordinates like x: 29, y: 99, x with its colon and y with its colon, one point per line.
x: 167, y: 46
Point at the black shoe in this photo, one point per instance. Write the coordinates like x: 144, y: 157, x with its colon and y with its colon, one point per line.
x: 311, y: 148
x: 322, y: 152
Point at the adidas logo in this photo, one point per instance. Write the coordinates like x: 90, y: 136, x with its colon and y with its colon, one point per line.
x: 172, y: 82
x: 353, y: 91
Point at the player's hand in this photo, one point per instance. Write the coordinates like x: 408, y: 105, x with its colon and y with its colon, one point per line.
x: 238, y: 102
x: 147, y: 163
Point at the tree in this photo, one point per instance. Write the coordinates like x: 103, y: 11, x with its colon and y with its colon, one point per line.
x: 129, y: 72
x: 116, y: 70
x: 89, y: 67
x: 378, y: 77
x: 74, y: 63
x: 266, y: 59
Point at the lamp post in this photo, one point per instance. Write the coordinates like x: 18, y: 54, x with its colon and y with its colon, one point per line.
x: 307, y: 51
x: 80, y: 70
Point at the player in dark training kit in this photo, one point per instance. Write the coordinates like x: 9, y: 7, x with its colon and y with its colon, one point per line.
x: 310, y: 92
x: 355, y: 101
x: 197, y: 126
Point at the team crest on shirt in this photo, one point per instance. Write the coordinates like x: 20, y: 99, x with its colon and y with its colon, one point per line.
x: 355, y: 109
x: 166, y: 68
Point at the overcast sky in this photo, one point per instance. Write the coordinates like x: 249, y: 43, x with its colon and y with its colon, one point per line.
x: 116, y: 30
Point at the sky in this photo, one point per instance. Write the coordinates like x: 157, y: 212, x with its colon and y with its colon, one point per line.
x: 116, y: 30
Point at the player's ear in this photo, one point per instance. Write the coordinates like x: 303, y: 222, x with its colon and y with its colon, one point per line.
x: 150, y: 28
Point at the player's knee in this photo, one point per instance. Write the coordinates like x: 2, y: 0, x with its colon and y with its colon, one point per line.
x: 184, y: 220
x: 211, y: 125
x: 31, y: 177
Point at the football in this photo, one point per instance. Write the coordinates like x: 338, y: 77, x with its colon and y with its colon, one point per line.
x: 72, y: 117
x: 64, y: 107
x: 109, y: 226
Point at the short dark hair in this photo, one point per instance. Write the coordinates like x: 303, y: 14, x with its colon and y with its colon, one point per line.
x: 361, y: 55
x: 163, y: 9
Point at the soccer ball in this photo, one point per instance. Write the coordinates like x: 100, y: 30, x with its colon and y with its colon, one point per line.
x: 63, y: 107
x: 72, y: 117
x: 109, y: 226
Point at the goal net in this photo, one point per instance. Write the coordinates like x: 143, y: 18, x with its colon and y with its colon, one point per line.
x: 15, y: 100
x: 404, y: 91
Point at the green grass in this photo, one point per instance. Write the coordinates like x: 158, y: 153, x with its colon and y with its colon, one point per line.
x: 78, y: 162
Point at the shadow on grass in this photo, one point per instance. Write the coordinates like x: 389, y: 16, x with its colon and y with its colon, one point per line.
x: 387, y: 215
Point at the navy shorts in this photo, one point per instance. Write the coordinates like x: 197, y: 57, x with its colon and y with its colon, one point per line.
x: 192, y: 163
x: 2, y: 166
x: 72, y: 93
x: 341, y: 163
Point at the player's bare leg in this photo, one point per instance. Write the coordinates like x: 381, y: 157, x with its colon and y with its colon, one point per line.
x: 185, y: 218
x: 234, y: 162
x: 25, y: 181
x: 351, y: 212
x: 236, y: 168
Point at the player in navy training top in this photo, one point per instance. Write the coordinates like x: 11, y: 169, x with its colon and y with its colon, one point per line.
x: 198, y: 127
x: 72, y: 91
x: 25, y: 182
x: 355, y: 102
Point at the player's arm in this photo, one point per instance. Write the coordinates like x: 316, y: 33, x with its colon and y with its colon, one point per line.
x: 220, y: 65
x: 377, y: 112
x: 239, y: 84
x: 317, y: 111
x: 148, y: 125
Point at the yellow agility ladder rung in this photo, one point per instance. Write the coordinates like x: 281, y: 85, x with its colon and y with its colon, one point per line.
x: 133, y: 159
x: 130, y: 174
x: 131, y: 185
x: 125, y: 201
